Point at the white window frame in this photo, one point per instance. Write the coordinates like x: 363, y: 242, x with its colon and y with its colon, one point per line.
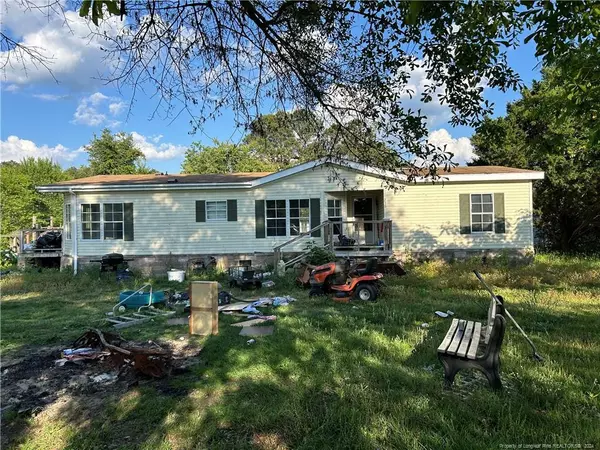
x: 99, y: 222
x: 216, y: 202
x: 287, y: 218
x: 104, y: 221
x: 341, y: 216
x: 300, y: 218
x: 67, y: 222
x: 493, y: 213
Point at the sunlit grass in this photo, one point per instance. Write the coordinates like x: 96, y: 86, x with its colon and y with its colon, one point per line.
x: 335, y: 375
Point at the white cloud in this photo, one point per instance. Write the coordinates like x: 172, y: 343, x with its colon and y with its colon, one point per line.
x: 117, y: 108
x: 461, y: 147
x: 71, y: 44
x: 50, y: 97
x: 94, y: 110
x: 12, y: 87
x: 15, y: 149
x: 155, y: 150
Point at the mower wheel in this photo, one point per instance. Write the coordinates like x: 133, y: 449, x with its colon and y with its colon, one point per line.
x: 366, y: 292
x: 314, y: 292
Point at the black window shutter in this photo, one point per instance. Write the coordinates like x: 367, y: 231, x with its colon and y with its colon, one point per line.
x: 315, y: 215
x: 259, y: 216
x: 128, y: 221
x: 465, y: 213
x: 499, y: 217
x: 231, y: 210
x: 200, y: 211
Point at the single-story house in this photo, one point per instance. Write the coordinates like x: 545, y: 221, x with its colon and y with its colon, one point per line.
x: 166, y: 220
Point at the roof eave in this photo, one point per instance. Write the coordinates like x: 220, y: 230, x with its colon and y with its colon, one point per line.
x: 53, y: 188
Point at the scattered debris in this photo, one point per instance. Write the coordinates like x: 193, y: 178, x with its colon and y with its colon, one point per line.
x: 429, y: 368
x: 268, y: 284
x: 233, y: 306
x: 441, y: 314
x: 178, y: 321
x: 251, y: 310
x: 152, y: 361
x: 424, y: 325
x: 256, y: 321
x: 250, y: 341
x: 256, y: 331
x: 105, y: 378
x: 283, y: 301
x: 450, y: 313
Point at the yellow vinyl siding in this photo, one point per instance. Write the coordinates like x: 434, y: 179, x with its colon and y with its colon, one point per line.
x: 424, y: 216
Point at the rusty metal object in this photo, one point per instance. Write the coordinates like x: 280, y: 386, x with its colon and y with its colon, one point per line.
x: 154, y: 361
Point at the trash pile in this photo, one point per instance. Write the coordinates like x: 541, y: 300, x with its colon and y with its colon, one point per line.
x: 151, y: 360
x: 250, y: 311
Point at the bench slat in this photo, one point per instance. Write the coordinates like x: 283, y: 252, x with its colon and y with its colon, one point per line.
x: 472, y: 352
x: 458, y: 336
x: 464, y: 345
x: 449, y: 335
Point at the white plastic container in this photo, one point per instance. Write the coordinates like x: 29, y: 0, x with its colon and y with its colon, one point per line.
x: 176, y: 275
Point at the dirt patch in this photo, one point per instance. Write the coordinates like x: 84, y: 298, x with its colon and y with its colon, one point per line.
x: 32, y: 383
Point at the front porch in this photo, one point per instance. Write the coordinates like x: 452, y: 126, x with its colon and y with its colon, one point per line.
x: 359, y: 238
x: 359, y: 227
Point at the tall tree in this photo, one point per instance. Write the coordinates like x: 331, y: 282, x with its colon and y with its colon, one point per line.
x: 113, y: 154
x: 343, y: 60
x: 19, y: 199
x: 541, y: 131
x: 223, y: 157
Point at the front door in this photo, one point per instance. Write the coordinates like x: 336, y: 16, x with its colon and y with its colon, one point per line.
x: 363, y: 212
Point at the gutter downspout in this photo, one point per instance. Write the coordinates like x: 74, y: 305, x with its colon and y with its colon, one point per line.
x: 74, y: 231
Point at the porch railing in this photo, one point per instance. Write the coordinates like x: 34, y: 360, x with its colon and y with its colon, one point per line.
x: 278, y: 251
x: 360, y: 235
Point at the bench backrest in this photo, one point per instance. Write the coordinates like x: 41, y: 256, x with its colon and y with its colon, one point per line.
x: 493, y: 310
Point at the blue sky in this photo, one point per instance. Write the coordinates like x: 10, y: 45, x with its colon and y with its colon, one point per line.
x: 41, y: 117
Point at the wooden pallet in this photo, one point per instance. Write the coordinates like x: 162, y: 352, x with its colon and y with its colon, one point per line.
x: 136, y: 318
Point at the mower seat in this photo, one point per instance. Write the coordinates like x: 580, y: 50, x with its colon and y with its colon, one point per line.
x: 369, y: 268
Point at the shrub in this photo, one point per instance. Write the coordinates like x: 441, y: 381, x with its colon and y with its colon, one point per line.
x: 318, y: 255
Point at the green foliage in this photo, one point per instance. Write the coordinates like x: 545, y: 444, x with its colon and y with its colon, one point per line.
x: 19, y: 199
x: 285, y: 139
x: 113, y: 154
x: 8, y: 258
x: 318, y: 255
x: 223, y: 158
x: 541, y: 131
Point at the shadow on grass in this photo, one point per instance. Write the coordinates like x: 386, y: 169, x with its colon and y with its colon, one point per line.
x: 335, y: 376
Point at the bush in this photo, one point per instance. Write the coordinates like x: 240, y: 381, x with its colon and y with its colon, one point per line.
x: 7, y: 258
x: 318, y: 255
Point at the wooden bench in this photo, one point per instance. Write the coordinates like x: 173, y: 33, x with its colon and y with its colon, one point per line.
x: 460, y: 348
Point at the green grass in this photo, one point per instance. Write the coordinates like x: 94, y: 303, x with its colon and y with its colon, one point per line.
x: 337, y: 375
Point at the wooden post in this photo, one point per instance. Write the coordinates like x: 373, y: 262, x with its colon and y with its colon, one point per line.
x: 51, y: 222
x: 204, y: 307
x: 276, y: 259
x: 33, y: 221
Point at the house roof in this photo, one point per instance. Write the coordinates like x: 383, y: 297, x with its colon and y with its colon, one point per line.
x: 253, y: 179
x: 150, y: 179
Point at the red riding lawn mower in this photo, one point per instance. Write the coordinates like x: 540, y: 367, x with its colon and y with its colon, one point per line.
x: 344, y: 281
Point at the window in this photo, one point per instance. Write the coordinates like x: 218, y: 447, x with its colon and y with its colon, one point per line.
x: 334, y: 214
x: 113, y: 220
x: 482, y: 213
x: 299, y: 216
x: 216, y: 210
x: 276, y: 218
x: 67, y: 222
x: 90, y: 221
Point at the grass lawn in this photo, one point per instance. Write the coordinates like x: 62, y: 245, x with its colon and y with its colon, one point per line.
x: 333, y: 375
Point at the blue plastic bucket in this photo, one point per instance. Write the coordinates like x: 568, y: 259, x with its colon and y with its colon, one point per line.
x: 141, y: 298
